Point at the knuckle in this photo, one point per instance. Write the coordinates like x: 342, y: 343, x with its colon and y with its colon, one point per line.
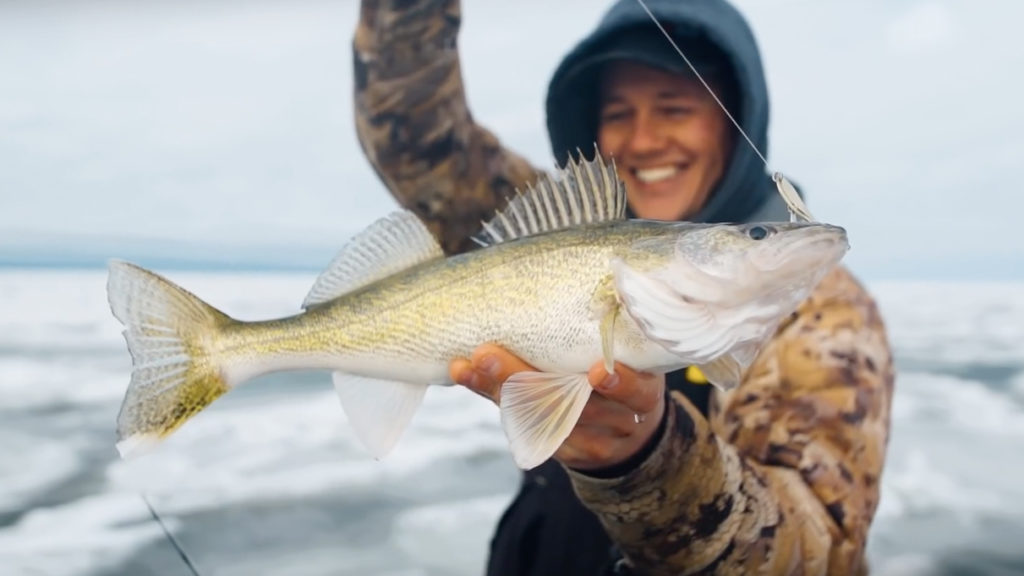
x: 599, y: 452
x: 624, y: 430
x: 593, y: 411
x: 589, y: 413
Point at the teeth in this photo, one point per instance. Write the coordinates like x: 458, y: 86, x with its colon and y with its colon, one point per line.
x: 655, y: 174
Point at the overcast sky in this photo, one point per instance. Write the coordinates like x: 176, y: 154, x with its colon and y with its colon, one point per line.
x: 226, y: 123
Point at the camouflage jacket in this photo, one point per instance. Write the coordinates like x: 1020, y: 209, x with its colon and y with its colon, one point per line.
x: 783, y: 476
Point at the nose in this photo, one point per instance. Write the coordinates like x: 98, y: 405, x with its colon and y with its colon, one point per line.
x: 646, y: 135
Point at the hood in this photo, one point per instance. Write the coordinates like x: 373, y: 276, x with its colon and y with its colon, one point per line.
x: 709, y: 32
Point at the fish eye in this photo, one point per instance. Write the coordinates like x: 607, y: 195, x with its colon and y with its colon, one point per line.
x: 758, y: 232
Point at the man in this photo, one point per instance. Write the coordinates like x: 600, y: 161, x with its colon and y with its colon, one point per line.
x: 782, y: 474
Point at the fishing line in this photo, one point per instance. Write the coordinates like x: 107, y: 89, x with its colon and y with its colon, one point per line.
x: 174, y: 542
x: 796, y: 206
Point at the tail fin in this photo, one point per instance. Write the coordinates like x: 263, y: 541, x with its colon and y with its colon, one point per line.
x: 174, y: 372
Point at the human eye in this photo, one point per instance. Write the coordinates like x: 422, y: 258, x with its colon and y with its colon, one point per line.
x: 614, y: 114
x: 676, y: 110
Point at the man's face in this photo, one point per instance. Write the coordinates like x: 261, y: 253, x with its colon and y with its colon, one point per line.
x: 668, y: 137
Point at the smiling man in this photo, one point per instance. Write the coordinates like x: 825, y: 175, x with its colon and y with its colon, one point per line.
x: 661, y: 475
x: 670, y: 138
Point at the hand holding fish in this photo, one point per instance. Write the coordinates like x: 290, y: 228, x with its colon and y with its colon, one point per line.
x: 608, y: 432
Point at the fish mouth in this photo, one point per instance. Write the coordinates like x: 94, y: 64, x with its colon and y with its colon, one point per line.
x: 802, y: 249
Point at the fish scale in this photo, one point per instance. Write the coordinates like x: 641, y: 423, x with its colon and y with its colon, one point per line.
x: 446, y: 308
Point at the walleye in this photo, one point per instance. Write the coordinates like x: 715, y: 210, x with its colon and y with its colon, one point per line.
x: 563, y: 279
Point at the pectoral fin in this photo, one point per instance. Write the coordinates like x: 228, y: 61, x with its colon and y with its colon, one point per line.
x: 605, y: 306
x: 726, y: 372
x: 682, y: 324
x: 379, y: 410
x: 538, y: 411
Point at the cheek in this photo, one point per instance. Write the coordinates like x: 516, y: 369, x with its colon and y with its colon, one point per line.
x: 719, y: 140
x: 609, y: 140
x: 702, y: 135
x: 602, y: 143
x: 611, y: 143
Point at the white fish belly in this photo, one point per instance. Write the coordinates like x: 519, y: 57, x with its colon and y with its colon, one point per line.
x: 574, y: 347
x: 383, y: 367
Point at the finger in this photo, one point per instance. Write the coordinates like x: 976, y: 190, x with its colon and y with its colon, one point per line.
x: 462, y: 372
x: 640, y: 392
x: 493, y: 364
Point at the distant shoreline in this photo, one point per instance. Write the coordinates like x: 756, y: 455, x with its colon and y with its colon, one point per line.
x: 69, y: 252
x: 162, y: 264
x: 95, y: 253
x: 314, y: 263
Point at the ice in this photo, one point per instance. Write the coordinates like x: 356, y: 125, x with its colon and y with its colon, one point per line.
x: 1017, y: 387
x: 47, y: 380
x: 906, y: 565
x: 954, y: 322
x: 68, y: 310
x: 79, y: 537
x: 30, y: 464
x: 425, y: 533
x: 955, y: 450
x: 301, y: 446
x: 951, y: 481
x: 917, y: 486
x: 966, y: 406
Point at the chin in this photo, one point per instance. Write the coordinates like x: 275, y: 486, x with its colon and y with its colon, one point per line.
x: 662, y: 203
x: 651, y: 205
x: 656, y: 211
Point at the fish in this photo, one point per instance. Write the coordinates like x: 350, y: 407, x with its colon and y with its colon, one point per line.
x: 562, y: 278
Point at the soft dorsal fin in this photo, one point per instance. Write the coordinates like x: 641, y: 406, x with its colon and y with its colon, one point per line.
x: 584, y: 192
x: 389, y: 245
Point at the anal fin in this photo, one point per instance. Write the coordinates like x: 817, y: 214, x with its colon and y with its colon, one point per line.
x: 726, y: 372
x: 723, y: 372
x: 538, y: 412
x: 379, y: 410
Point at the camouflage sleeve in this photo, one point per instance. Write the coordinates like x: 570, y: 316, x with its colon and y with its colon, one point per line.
x: 414, y: 124
x: 784, y: 477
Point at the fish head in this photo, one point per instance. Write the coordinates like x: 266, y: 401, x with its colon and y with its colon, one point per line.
x: 778, y: 261
x: 714, y: 293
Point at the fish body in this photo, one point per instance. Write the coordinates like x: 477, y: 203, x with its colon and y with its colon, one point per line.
x: 563, y: 280
x: 539, y: 297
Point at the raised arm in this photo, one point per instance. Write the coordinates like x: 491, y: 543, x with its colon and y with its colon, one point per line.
x: 784, y: 479
x: 415, y: 126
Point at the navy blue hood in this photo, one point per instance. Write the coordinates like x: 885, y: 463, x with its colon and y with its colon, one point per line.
x: 713, y: 34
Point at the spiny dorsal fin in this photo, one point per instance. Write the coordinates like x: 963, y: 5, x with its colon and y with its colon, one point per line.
x: 584, y: 192
x: 389, y: 245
